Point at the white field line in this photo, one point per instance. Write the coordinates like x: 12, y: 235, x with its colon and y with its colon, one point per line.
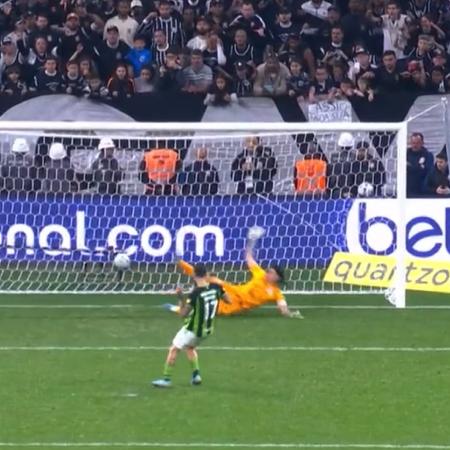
x: 129, y: 306
x: 199, y: 445
x: 126, y: 348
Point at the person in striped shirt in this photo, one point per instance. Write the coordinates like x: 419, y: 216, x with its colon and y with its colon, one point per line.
x: 166, y: 20
x: 160, y: 47
x: 197, y: 77
x: 199, y: 311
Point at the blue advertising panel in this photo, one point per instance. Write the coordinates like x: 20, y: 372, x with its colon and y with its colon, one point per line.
x: 154, y: 229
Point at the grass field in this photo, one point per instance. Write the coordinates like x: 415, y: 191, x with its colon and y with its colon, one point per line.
x: 75, y: 371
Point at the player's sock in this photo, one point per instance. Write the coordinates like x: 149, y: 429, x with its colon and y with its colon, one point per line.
x: 195, y: 366
x: 187, y: 268
x: 167, y: 374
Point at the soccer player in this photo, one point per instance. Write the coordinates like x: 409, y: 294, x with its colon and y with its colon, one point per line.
x: 263, y: 287
x: 199, y: 310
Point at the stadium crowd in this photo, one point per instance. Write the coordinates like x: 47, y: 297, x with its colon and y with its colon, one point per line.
x: 224, y: 49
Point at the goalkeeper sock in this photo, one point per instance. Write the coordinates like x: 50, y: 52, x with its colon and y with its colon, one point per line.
x: 187, y: 268
x: 167, y: 374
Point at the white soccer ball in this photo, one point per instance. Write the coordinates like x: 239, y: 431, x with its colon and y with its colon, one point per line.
x: 122, y: 261
x: 255, y: 233
x: 365, y: 189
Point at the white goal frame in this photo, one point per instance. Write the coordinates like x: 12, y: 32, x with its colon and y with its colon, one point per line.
x: 260, y: 128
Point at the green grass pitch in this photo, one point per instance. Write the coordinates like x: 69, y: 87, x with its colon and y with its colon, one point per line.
x: 77, y: 376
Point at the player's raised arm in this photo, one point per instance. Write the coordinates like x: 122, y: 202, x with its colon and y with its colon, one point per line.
x: 254, y: 233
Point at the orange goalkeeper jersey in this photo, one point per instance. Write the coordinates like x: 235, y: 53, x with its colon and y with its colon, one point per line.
x: 255, y: 292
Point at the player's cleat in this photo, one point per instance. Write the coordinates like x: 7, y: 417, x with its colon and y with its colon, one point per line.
x: 172, y: 308
x: 162, y: 383
x: 196, y: 380
x: 296, y: 314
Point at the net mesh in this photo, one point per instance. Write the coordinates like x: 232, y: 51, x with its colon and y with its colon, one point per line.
x: 67, y: 210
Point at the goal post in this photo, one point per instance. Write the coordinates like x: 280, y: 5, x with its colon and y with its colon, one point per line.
x: 65, y: 212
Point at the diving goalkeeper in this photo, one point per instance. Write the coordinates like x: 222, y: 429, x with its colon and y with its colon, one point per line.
x: 264, y: 286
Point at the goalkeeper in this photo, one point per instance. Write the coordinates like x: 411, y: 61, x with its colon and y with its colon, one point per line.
x: 264, y: 286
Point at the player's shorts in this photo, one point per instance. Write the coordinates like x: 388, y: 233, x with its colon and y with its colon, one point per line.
x: 185, y: 338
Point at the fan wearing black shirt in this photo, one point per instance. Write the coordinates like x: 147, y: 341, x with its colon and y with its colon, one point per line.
x: 43, y: 30
x: 49, y: 80
x: 253, y: 24
x: 322, y: 86
x: 75, y: 38
x: 110, y: 52
x: 284, y: 27
x: 75, y: 83
x: 388, y: 77
x: 241, y: 50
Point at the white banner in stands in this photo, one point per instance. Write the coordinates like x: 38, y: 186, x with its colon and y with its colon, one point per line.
x: 336, y: 111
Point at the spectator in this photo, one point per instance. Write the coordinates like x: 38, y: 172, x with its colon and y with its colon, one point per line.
x: 241, y: 49
x: 13, y: 85
x: 387, y: 76
x: 188, y: 24
x: 125, y: 24
x: 243, y: 79
x: 422, y: 52
x: 9, y: 56
x: 298, y: 82
x: 18, y: 171
x: 49, y: 80
x: 419, y: 164
x: 415, y: 77
x: 170, y: 73
x: 294, y: 48
x: 110, y: 52
x: 197, y: 77
x: 43, y: 30
x: 97, y: 89
x: 253, y: 24
x: 74, y: 82
x: 254, y: 168
x: 165, y: 20
x: 158, y: 171
x: 145, y: 83
x: 336, y: 50
x: 138, y: 56
x: 88, y: 67
x: 160, y: 47
x: 362, y: 66
x: 321, y: 86
x: 106, y: 171
x: 395, y: 30
x: 439, y: 59
x: 355, y: 24
x: 217, y: 16
x: 202, y: 28
x: 437, y: 182
x: 436, y: 83
x: 367, y: 169
x: 416, y: 9
x: 364, y: 89
x: 213, y: 55
x: 322, y: 35
x: 137, y: 11
x: 220, y: 93
x: 57, y: 175
x: 271, y: 78
x: 120, y: 85
x: 200, y: 177
x: 75, y: 40
x: 37, y: 57
x: 284, y: 27
x: 316, y: 8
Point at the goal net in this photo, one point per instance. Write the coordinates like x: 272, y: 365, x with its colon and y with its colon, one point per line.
x: 73, y: 195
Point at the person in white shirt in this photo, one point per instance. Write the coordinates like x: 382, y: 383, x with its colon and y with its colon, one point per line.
x: 126, y: 25
x: 395, y: 30
x: 317, y: 8
x: 202, y: 28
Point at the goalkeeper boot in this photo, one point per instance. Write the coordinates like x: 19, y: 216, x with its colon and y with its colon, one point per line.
x: 162, y: 383
x: 196, y: 379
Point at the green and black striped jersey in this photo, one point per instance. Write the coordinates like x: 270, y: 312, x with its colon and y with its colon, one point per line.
x: 204, y: 302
